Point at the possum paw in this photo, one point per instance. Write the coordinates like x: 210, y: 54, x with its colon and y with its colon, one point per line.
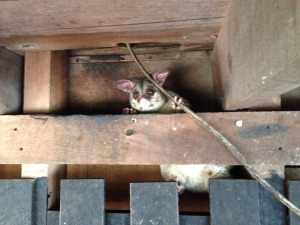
x: 177, y: 100
x: 129, y: 111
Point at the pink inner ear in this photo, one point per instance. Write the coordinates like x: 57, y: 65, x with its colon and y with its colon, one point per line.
x: 160, y: 76
x: 124, y: 85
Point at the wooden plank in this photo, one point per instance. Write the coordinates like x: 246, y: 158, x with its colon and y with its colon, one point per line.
x: 45, y: 81
x: 82, y: 202
x: 265, y: 137
x: 243, y: 196
x: 23, y: 202
x: 256, y: 56
x: 125, y: 19
x: 11, y: 67
x: 272, y: 212
x: 154, y: 203
x: 294, y: 196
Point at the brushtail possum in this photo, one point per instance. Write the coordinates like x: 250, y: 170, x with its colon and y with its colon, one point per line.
x: 145, y: 97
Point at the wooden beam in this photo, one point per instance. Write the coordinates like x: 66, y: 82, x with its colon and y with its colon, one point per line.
x: 45, y: 86
x: 11, y: 68
x: 256, y: 56
x: 271, y: 138
x: 135, y: 21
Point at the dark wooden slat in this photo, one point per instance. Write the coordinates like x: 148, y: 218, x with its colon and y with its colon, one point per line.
x: 154, y: 203
x: 82, y: 202
x: 272, y: 212
x: 193, y: 220
x: 234, y: 202
x: 294, y: 196
x: 23, y: 202
x: 40, y: 200
x: 11, y: 67
x: 117, y: 219
x: 254, y: 58
x: 273, y: 137
x: 52, y: 217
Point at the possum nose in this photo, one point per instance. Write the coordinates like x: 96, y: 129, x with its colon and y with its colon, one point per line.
x: 144, y: 103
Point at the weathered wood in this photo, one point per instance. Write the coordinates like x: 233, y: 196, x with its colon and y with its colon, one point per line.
x: 23, y: 202
x: 11, y: 67
x: 256, y: 56
x: 133, y: 18
x: 154, y: 203
x: 45, y: 81
x: 82, y: 202
x: 265, y: 137
x: 234, y: 202
x: 272, y: 212
x: 294, y: 196
x: 143, y: 57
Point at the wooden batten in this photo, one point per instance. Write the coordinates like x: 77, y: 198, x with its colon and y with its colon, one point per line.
x: 270, y: 138
x: 256, y: 56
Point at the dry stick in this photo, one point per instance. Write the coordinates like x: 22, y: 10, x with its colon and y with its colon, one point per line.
x: 222, y: 139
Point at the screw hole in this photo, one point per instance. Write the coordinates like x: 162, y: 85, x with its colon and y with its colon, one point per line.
x: 129, y: 133
x: 280, y: 148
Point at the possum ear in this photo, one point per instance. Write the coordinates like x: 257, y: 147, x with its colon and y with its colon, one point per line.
x: 160, y: 76
x: 124, y: 85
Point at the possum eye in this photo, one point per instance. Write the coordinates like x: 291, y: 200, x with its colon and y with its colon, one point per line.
x: 135, y: 94
x: 150, y: 92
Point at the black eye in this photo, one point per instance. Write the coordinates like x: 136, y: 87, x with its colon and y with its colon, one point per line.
x: 135, y: 94
x: 150, y: 92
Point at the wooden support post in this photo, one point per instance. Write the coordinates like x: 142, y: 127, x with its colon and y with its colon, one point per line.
x: 256, y: 56
x: 45, y: 92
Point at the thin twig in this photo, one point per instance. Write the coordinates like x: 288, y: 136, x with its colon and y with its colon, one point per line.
x: 234, y: 151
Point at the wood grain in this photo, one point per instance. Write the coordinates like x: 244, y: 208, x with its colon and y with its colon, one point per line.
x: 256, y: 56
x: 265, y: 137
x: 60, y: 17
x: 73, y: 25
x: 11, y: 68
x: 45, y: 81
